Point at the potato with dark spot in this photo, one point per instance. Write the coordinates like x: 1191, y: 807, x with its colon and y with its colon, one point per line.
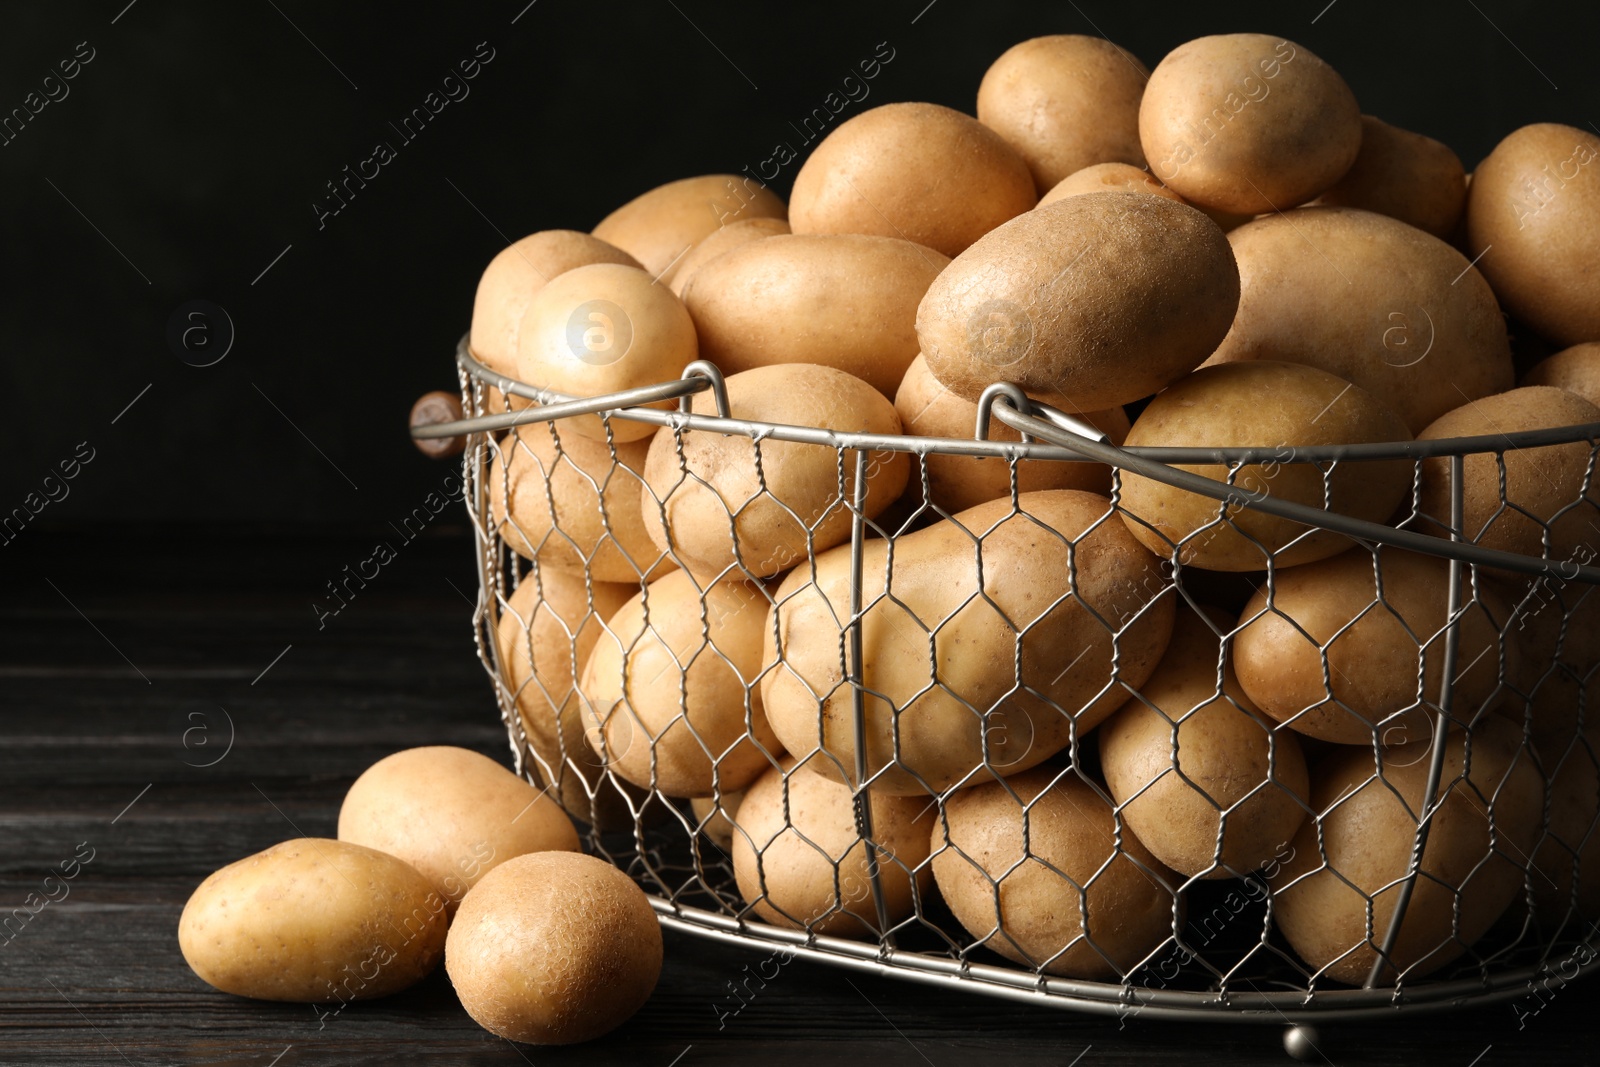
x: 1405, y: 176
x: 660, y: 227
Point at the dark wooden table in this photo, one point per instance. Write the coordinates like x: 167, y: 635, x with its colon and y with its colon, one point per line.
x: 171, y: 703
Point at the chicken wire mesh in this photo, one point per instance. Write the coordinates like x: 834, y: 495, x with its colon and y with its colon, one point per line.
x: 955, y: 798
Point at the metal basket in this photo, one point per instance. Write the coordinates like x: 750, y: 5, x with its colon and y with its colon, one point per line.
x: 1246, y: 972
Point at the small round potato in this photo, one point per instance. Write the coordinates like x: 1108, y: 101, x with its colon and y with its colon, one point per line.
x: 316, y: 921
x: 1359, y: 847
x: 1021, y: 861
x: 452, y: 814
x: 601, y: 329
x: 1247, y: 122
x: 1575, y: 369
x: 1108, y: 178
x: 554, y: 948
x: 1202, y: 777
x: 726, y: 239
x: 801, y: 864
x: 1065, y: 102
x: 659, y: 228
x: 1533, y: 215
x: 670, y: 694
x: 1088, y: 303
x: 1405, y: 176
x: 1279, y: 406
x: 919, y: 172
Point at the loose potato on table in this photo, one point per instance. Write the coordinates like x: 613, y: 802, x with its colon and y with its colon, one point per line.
x: 964, y: 679
x: 1405, y: 176
x: 728, y: 506
x: 847, y: 301
x: 1575, y: 369
x: 316, y: 921
x: 1272, y: 405
x: 723, y: 240
x: 659, y: 227
x: 1044, y: 877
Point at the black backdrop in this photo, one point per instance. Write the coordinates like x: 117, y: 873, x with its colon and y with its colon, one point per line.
x: 184, y: 160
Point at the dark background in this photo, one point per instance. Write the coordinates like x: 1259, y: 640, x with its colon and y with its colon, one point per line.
x: 200, y: 135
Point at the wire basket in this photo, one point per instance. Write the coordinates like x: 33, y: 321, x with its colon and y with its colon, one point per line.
x: 1005, y: 911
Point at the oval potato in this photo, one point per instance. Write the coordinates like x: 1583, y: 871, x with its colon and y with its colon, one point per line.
x: 1575, y: 369
x: 659, y: 227
x: 1108, y: 178
x: 1405, y: 176
x: 723, y: 240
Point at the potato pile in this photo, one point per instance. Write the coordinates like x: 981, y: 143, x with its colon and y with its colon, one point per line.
x: 1061, y: 697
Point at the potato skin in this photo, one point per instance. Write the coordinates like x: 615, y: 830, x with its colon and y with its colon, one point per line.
x: 660, y: 226
x: 723, y: 240
x: 1374, y: 304
x: 979, y: 842
x: 1090, y: 302
x: 1246, y: 123
x: 554, y: 948
x: 1272, y: 405
x: 1536, y: 201
x: 1575, y: 369
x: 976, y: 709
x: 315, y: 921
x: 1367, y: 834
x: 1108, y: 178
x: 847, y: 301
x: 920, y: 172
x: 1065, y: 102
x: 1405, y: 176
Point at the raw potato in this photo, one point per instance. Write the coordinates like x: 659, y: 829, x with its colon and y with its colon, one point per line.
x: 719, y: 821
x: 1575, y: 369
x: 553, y: 949
x: 1247, y: 122
x: 726, y: 239
x: 665, y: 688
x: 1366, y: 838
x: 1557, y: 631
x: 1070, y: 864
x: 1065, y: 102
x: 1536, y: 202
x: 1405, y: 176
x: 1091, y: 302
x: 1570, y: 852
x: 800, y: 863
x: 315, y: 921
x: 1374, y: 653
x: 847, y: 301
x: 721, y: 515
x: 1108, y: 178
x: 1267, y: 404
x: 1190, y: 747
x: 452, y: 814
x: 955, y: 483
x: 602, y: 329
x: 919, y: 172
x: 1545, y: 487
x: 546, y: 632
x: 602, y: 531
x: 659, y: 227
x: 962, y: 714
x: 1375, y: 301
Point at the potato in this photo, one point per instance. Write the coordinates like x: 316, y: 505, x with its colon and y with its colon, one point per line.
x: 670, y: 693
x: 847, y: 301
x: 546, y: 632
x: 1020, y: 872
x: 1204, y: 779
x: 1327, y: 618
x: 553, y: 949
x: 1575, y: 369
x: 659, y: 227
x: 717, y: 820
x: 1375, y: 301
x: 602, y: 329
x: 1279, y: 406
x: 955, y: 483
x: 1065, y: 102
x: 919, y: 172
x: 1556, y: 629
x: 949, y: 697
x: 1091, y: 302
x: 1359, y: 848
x: 727, y: 507
x: 1566, y: 867
x: 1533, y: 214
x: 1405, y: 176
x: 1247, y: 122
x: 1108, y: 178
x: 314, y: 920
x: 801, y: 864
x: 1549, y: 490
x: 574, y: 504
x: 723, y: 240
x: 452, y: 814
